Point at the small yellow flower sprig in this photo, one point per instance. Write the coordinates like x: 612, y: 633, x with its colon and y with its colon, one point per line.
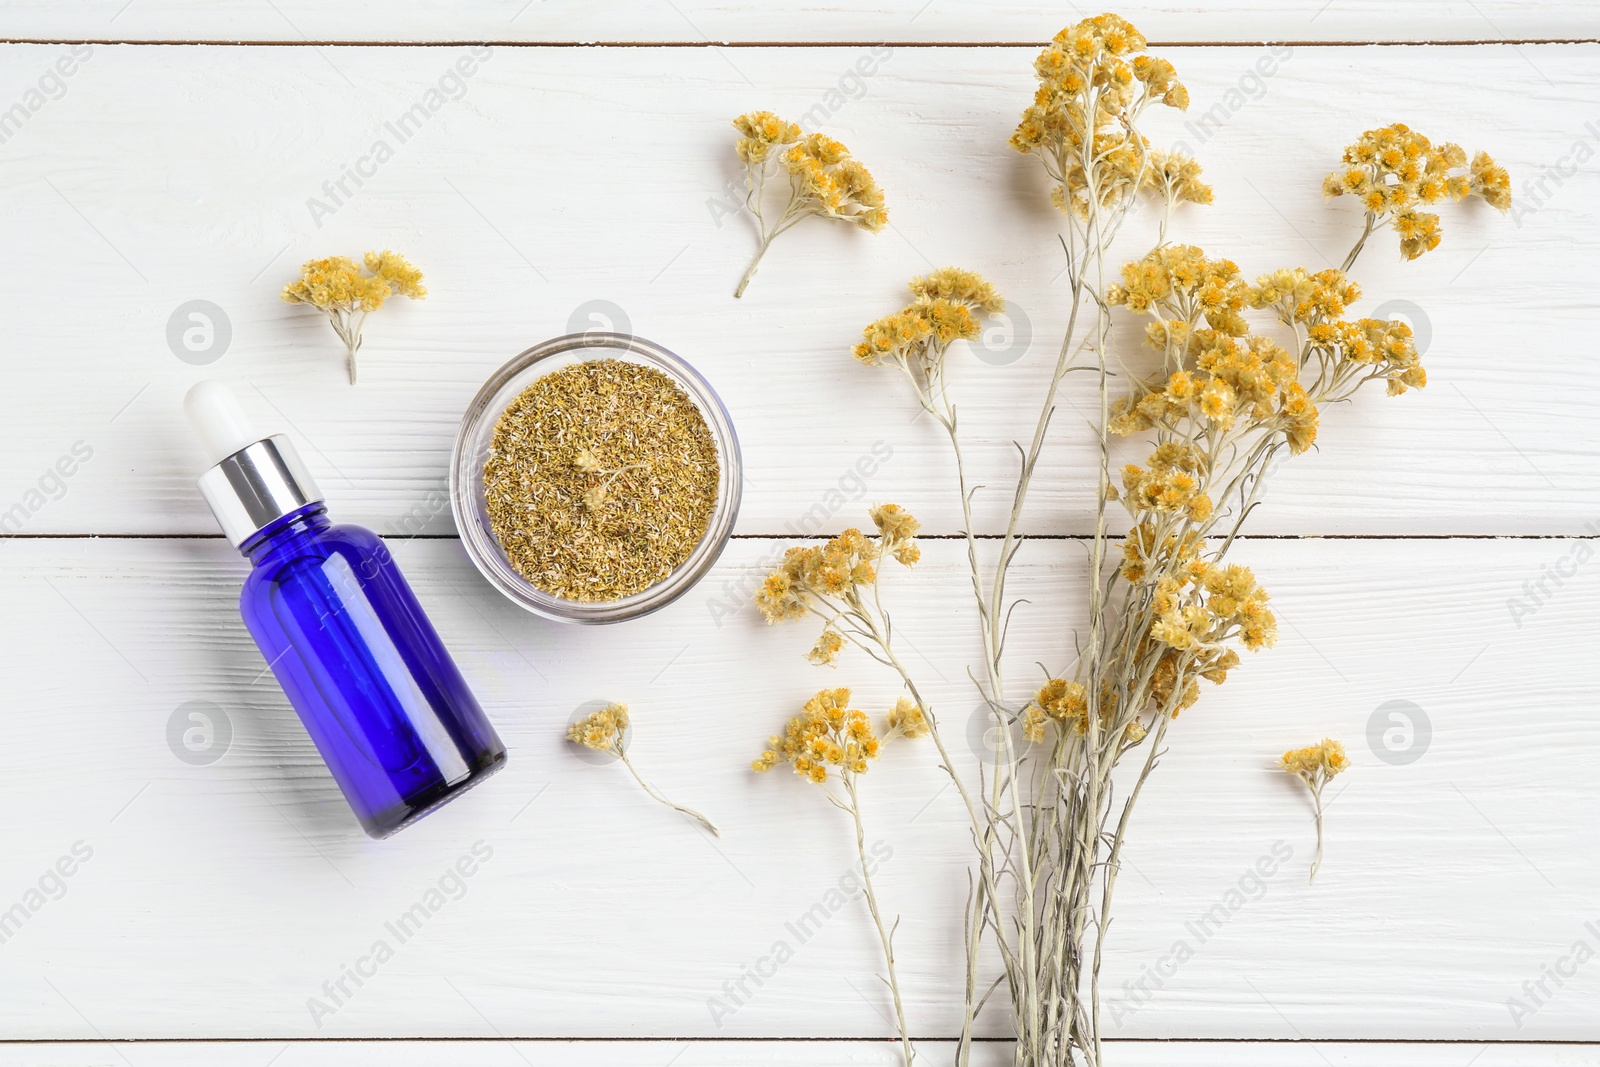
x: 946, y: 307
x: 823, y: 180
x: 1316, y: 765
x: 1345, y: 354
x: 830, y: 740
x: 828, y: 733
x: 1095, y: 79
x: 1394, y: 170
x: 337, y: 287
x: 605, y: 731
x: 1195, y: 609
x: 838, y: 583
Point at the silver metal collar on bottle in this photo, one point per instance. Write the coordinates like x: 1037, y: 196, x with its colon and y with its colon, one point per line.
x: 257, y: 484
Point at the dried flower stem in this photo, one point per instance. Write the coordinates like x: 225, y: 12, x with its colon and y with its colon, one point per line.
x: 754, y: 198
x: 606, y: 731
x: 1316, y: 765
x: 823, y: 180
x: 348, y: 326
x: 1049, y: 820
x: 622, y: 755
x: 337, y: 287
x: 1316, y: 862
x: 885, y: 934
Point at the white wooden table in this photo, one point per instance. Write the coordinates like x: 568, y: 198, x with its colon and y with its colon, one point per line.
x: 1435, y: 551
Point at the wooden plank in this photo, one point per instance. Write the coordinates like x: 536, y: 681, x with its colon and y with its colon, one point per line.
x: 781, y: 1054
x: 571, y: 189
x: 219, y: 898
x: 695, y: 21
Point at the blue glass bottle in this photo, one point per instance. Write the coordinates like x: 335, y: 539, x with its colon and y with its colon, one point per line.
x: 343, y: 633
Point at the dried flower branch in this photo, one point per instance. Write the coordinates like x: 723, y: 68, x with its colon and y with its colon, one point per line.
x: 823, y: 180
x: 1316, y: 765
x: 605, y: 731
x: 1219, y: 400
x: 828, y: 742
x: 1394, y: 169
x: 336, y: 287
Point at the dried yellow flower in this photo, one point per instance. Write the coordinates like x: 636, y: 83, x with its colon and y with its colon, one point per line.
x: 337, y: 287
x: 828, y: 733
x: 760, y: 131
x: 1316, y: 765
x: 1094, y: 80
x: 1346, y: 353
x: 1176, y: 177
x: 824, y: 181
x: 603, y: 731
x: 907, y: 719
x: 1394, y: 169
x: 829, y: 578
x: 826, y: 651
x: 606, y: 731
x: 947, y: 307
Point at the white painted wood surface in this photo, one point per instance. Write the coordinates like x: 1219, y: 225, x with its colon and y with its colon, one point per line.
x: 700, y: 21
x: 778, y: 1053
x: 564, y: 177
x: 219, y: 898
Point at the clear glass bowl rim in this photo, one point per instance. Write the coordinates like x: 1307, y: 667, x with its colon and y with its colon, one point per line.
x: 467, y: 504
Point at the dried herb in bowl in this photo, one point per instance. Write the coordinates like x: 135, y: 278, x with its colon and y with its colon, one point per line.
x: 601, y: 479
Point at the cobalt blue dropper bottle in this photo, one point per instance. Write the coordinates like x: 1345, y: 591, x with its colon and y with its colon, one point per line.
x: 341, y: 630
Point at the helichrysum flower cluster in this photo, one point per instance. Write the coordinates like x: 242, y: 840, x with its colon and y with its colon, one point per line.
x: 603, y: 731
x: 606, y: 731
x: 838, y: 571
x: 337, y: 287
x: 1209, y: 604
x: 945, y: 308
x: 824, y: 181
x: 1394, y: 171
x: 1094, y: 80
x: 830, y: 741
x: 1218, y: 378
x: 829, y: 736
x: 827, y: 733
x: 760, y: 132
x: 1176, y: 177
x: 1316, y: 765
x: 1347, y: 353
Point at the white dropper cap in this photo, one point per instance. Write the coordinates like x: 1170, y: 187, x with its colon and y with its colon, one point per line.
x: 222, y: 423
x: 254, y: 478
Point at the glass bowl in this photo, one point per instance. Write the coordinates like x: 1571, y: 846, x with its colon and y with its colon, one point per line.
x: 471, y: 452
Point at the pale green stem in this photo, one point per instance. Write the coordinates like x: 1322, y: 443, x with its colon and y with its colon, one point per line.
x: 658, y: 798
